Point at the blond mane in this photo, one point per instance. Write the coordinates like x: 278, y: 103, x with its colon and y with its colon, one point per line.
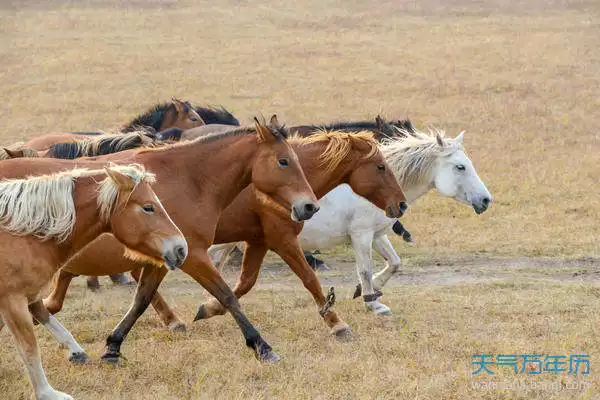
x: 43, y: 205
x: 339, y: 145
x: 412, y: 157
x: 16, y: 148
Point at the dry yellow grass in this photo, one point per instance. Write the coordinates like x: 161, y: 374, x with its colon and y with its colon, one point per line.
x: 522, y: 79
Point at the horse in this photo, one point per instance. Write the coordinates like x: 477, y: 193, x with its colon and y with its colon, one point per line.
x: 216, y: 115
x: 196, y: 196
x: 49, y: 219
x: 328, y: 159
x: 420, y: 161
x: 177, y: 113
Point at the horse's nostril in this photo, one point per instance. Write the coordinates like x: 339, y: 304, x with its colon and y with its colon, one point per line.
x: 311, y: 208
x: 486, y: 201
x: 403, y: 206
x: 180, y: 251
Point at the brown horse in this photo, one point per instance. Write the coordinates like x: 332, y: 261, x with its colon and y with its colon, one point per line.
x: 328, y: 160
x: 205, y: 177
x: 177, y: 113
x: 49, y: 219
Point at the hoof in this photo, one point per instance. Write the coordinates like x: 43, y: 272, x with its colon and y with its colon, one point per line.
x: 79, y: 358
x: 357, y: 291
x: 53, y: 395
x: 343, y: 334
x: 378, y: 308
x: 270, y: 357
x: 177, y: 326
x: 201, y: 314
x: 112, y: 359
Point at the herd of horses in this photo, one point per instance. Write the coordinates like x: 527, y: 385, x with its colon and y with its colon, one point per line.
x: 180, y: 185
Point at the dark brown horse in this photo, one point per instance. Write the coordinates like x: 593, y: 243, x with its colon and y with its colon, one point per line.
x: 329, y: 160
x: 204, y: 177
x: 177, y: 113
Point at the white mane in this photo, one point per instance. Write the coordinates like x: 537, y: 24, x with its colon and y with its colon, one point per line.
x: 413, y: 156
x: 43, y: 205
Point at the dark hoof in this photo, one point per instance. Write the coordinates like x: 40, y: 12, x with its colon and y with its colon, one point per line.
x: 321, y: 266
x: 270, y: 357
x: 112, y: 359
x: 79, y: 358
x: 201, y: 313
x: 177, y: 327
x: 344, y: 334
x: 357, y: 291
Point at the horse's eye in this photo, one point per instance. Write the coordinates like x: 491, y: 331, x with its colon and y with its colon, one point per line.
x: 283, y: 162
x: 381, y: 167
x: 148, y: 208
x: 193, y: 119
x: 460, y: 167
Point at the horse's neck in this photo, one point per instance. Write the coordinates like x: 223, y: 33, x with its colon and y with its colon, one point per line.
x: 218, y: 169
x: 88, y: 223
x: 168, y: 120
x: 413, y: 192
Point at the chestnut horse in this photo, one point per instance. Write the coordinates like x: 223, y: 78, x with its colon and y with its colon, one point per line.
x: 328, y: 159
x: 177, y: 113
x: 205, y: 177
x: 49, y: 219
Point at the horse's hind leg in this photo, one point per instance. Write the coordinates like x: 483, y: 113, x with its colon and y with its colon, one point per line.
x: 63, y: 336
x: 386, y: 250
x: 61, y: 282
x: 165, y: 313
x: 253, y: 256
x: 364, y: 266
x: 150, y: 279
x: 15, y: 314
x: 93, y: 283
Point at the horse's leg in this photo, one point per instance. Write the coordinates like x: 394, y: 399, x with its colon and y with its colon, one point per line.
x: 93, y: 283
x: 121, y: 279
x: 220, y: 253
x: 253, y: 257
x: 14, y: 312
x: 289, y: 250
x: 40, y: 313
x: 61, y: 282
x: 384, y: 247
x: 150, y: 279
x: 201, y: 269
x: 362, y: 243
x: 165, y: 313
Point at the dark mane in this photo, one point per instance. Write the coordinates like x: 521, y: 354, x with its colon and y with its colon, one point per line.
x: 214, y: 115
x: 382, y: 129
x: 97, y: 147
x: 152, y: 118
x: 349, y: 126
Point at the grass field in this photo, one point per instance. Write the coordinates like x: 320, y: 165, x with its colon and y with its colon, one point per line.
x: 522, y: 78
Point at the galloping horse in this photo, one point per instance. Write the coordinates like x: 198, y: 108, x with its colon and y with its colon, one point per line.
x: 49, y: 219
x: 177, y: 113
x: 328, y: 160
x: 196, y: 195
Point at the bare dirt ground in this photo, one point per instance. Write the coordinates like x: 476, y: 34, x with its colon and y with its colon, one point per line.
x: 522, y: 78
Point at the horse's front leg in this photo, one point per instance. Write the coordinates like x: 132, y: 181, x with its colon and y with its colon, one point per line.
x: 384, y: 247
x: 63, y: 336
x: 204, y: 272
x: 253, y: 257
x: 290, y: 251
x: 362, y: 242
x: 165, y: 313
x: 150, y: 279
x: 61, y: 282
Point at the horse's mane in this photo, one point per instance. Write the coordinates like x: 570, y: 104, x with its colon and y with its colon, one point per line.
x: 17, y: 147
x: 216, y: 115
x: 152, y: 118
x: 43, y: 205
x: 100, y: 145
x: 413, y: 155
x: 339, y: 145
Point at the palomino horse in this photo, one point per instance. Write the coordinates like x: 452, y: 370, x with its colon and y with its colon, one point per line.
x: 49, y: 219
x: 196, y: 195
x: 328, y: 160
x: 420, y: 162
x: 177, y: 113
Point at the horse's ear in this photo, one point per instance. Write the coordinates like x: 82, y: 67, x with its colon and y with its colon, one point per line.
x: 459, y: 138
x: 14, y: 153
x: 263, y: 132
x: 273, y: 121
x: 179, y: 105
x: 439, y: 139
x: 122, y: 181
x: 379, y: 123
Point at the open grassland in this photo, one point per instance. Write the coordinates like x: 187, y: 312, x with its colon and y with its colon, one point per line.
x: 522, y: 79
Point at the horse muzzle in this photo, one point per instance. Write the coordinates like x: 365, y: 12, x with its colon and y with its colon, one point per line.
x: 303, y: 210
x: 396, y: 212
x: 175, y: 251
x: 482, y: 205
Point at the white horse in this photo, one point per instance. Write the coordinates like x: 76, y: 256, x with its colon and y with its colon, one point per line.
x: 421, y: 161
